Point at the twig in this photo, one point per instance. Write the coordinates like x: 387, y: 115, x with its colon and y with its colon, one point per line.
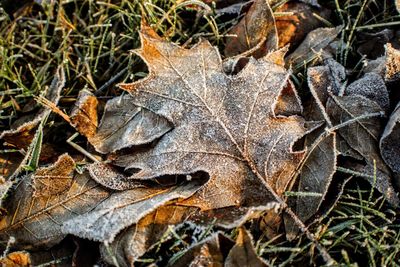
x: 79, y: 148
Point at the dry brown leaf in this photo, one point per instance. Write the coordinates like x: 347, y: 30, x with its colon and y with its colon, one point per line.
x: 293, y: 27
x: 224, y: 126
x: 363, y: 136
x: 16, y: 259
x: 35, y: 221
x: 84, y: 114
x: 323, y: 81
x: 215, y: 126
x: 54, y: 179
x: 390, y: 141
x: 320, y: 164
x: 257, y: 27
x: 243, y: 252
x: 312, y: 46
x: 124, y: 125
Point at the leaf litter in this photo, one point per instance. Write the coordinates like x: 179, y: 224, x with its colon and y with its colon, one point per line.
x: 195, y: 143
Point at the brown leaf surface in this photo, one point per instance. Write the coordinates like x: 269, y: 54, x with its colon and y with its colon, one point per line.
x: 84, y: 114
x: 35, y: 220
x: 54, y: 179
x: 316, y: 177
x: 257, y: 27
x: 243, y: 252
x: 390, y: 141
x: 123, y: 209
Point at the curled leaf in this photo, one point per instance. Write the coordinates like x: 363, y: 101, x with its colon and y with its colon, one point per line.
x: 390, y: 141
x: 312, y: 46
x: 363, y: 136
x: 257, y: 27
x: 373, y: 87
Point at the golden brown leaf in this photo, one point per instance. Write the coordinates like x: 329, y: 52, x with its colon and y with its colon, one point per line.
x: 292, y: 28
x: 84, y: 115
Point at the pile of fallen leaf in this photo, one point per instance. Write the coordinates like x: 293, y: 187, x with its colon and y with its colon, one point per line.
x: 205, y: 140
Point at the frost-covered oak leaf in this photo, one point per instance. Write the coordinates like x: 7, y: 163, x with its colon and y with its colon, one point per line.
x: 224, y: 125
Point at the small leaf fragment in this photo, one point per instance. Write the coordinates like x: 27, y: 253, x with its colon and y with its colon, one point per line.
x: 392, y: 67
x: 16, y: 259
x: 84, y: 114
